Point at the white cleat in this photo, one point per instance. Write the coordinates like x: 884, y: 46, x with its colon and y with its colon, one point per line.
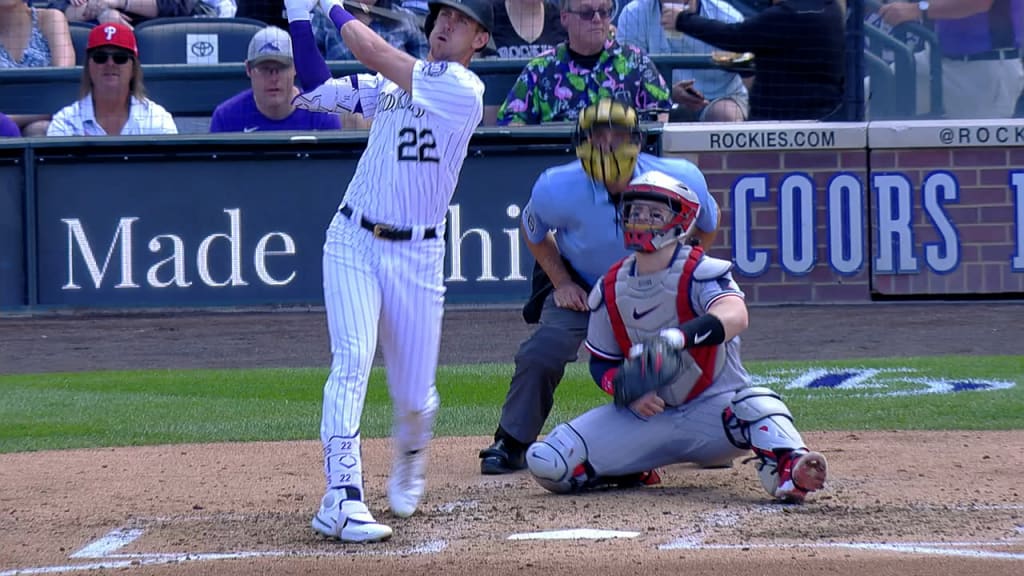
x: 407, y: 482
x: 348, y: 520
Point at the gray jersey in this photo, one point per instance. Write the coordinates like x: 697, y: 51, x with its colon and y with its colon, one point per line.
x: 618, y: 441
x: 648, y: 304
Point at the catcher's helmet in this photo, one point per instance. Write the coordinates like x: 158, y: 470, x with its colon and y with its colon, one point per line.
x: 657, y: 228
x: 614, y: 161
x: 479, y: 10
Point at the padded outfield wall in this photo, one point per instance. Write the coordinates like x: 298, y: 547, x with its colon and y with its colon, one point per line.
x: 811, y: 213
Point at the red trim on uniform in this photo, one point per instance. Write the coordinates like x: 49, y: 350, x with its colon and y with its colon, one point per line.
x: 601, y: 353
x: 705, y: 356
x: 618, y: 326
x: 606, y: 382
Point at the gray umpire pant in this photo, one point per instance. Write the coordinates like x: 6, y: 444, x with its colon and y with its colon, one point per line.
x: 540, y: 364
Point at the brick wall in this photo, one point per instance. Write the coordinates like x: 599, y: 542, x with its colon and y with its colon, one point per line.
x: 956, y: 243
x: 984, y: 219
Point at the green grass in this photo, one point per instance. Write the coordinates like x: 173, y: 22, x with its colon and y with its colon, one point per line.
x: 94, y: 409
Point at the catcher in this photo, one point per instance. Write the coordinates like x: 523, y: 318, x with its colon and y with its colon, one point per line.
x: 664, y: 341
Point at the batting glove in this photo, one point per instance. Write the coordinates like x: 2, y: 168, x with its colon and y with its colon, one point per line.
x: 297, y: 10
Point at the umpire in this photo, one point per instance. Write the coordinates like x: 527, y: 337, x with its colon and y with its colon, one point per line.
x: 571, y: 229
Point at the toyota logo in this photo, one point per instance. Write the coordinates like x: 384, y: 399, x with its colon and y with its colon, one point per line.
x: 202, y: 48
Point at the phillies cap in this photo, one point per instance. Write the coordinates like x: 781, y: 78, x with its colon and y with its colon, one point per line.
x: 113, y: 34
x: 271, y: 43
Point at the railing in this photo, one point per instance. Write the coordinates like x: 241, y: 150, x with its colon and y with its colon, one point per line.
x: 195, y: 90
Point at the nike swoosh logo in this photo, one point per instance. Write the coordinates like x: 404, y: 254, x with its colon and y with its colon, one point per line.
x: 701, y: 337
x: 637, y: 314
x: 252, y: 129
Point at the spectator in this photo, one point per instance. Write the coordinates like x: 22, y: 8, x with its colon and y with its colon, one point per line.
x: 525, y: 29
x: 30, y: 38
x: 396, y: 25
x: 591, y: 66
x: 982, y: 75
x: 7, y: 127
x: 113, y: 98
x: 416, y: 7
x: 268, y: 104
x: 717, y: 95
x: 799, y: 52
x: 269, y: 11
x: 129, y: 12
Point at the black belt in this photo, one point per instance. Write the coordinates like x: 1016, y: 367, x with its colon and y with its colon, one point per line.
x: 387, y: 231
x: 1002, y: 54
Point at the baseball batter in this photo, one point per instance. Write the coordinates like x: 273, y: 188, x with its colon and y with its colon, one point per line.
x: 670, y: 295
x: 384, y: 252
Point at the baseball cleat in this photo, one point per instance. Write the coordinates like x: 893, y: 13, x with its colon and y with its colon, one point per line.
x: 501, y: 458
x: 800, y: 472
x: 348, y: 520
x: 407, y: 482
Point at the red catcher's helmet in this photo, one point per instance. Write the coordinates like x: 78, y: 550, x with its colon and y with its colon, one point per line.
x: 672, y: 218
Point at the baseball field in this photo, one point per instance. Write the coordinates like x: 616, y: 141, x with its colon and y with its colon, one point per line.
x: 187, y: 443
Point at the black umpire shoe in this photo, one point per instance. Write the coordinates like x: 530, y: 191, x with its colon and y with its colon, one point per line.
x: 502, y: 457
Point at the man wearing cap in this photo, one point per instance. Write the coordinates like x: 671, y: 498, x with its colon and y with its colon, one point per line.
x: 115, y: 99
x: 268, y: 104
x: 980, y: 40
x: 383, y: 265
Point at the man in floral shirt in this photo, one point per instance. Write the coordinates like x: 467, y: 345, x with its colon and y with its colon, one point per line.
x: 557, y: 85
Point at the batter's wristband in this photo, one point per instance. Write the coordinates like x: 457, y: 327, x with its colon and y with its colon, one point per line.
x: 706, y: 330
x: 309, y: 63
x: 340, y: 16
x: 607, y: 383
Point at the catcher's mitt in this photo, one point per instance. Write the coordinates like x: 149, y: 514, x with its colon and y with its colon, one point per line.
x: 658, y: 364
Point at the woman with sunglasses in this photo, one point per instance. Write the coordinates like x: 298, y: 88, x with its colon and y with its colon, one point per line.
x: 113, y: 99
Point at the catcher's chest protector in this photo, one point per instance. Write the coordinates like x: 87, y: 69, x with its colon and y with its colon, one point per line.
x: 647, y: 304
x: 640, y: 307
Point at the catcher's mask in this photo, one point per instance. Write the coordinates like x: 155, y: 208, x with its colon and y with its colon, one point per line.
x: 657, y: 210
x: 607, y: 140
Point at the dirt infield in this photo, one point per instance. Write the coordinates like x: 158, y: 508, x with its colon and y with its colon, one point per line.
x: 904, y: 503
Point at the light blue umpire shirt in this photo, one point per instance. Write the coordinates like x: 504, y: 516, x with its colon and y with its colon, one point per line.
x: 640, y: 24
x: 565, y: 200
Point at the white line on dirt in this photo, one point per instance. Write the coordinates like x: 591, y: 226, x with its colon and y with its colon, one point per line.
x: 576, y: 534
x: 931, y: 548
x: 114, y: 540
x: 114, y: 561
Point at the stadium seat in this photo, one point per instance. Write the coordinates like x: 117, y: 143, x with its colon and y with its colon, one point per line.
x: 79, y: 38
x: 195, y: 40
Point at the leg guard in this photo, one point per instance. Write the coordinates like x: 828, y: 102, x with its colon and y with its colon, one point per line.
x: 758, y: 419
x: 553, y: 461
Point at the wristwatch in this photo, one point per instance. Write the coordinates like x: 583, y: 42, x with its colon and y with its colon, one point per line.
x: 923, y: 6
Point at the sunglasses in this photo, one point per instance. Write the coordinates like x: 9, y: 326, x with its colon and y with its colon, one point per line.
x: 589, y: 14
x: 100, y: 57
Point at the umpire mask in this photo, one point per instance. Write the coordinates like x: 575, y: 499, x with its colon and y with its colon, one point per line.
x: 657, y: 210
x: 607, y: 141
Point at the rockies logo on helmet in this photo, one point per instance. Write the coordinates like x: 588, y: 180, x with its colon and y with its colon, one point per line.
x: 657, y: 210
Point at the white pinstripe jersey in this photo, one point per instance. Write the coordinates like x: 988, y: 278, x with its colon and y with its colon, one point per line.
x: 417, y: 144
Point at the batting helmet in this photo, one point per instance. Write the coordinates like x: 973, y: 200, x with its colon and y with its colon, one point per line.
x: 479, y: 10
x: 608, y: 163
x: 657, y: 228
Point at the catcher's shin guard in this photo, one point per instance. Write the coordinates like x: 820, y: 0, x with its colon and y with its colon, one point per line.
x: 554, y: 461
x: 759, y: 420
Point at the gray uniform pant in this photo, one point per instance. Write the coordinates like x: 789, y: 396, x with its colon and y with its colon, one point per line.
x: 620, y: 443
x: 540, y: 364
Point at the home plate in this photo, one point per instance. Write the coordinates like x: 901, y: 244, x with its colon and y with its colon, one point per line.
x: 576, y: 534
